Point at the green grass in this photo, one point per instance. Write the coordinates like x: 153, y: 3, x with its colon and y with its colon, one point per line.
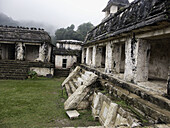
x: 36, y: 103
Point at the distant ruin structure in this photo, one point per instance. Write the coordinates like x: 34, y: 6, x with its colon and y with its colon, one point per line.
x: 18, y: 43
x: 29, y: 46
x: 66, y: 53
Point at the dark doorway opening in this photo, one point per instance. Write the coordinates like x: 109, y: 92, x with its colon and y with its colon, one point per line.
x: 11, y: 51
x: 64, y: 64
x: 103, y: 57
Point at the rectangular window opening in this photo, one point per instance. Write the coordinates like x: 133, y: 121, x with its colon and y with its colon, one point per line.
x: 64, y: 65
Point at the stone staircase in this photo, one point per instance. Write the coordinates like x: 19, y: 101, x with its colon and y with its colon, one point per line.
x: 61, y: 72
x: 79, y: 88
x: 11, y: 69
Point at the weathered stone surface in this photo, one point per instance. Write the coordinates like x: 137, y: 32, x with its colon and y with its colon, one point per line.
x: 168, y: 85
x: 120, y: 121
x: 19, y: 51
x: 72, y: 74
x: 129, y: 87
x: 72, y: 114
x: 21, y: 34
x: 96, y: 104
x: 104, y: 112
x: 138, y: 14
x: 76, y: 98
x: 162, y: 126
x: 111, y: 117
x: 137, y: 60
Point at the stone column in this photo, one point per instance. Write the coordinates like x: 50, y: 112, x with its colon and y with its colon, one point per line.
x: 98, y: 56
x: 87, y: 56
x: 117, y: 50
x: 19, y: 51
x: 43, y: 51
x: 83, y: 56
x: 168, y: 85
x: 137, y: 60
x: 109, y: 58
x: 94, y: 56
x: 90, y: 55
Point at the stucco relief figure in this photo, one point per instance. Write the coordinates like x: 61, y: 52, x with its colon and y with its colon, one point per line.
x: 43, y: 51
x: 19, y: 51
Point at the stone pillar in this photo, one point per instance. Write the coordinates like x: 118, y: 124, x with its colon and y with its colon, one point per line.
x: 113, y: 58
x: 168, y: 86
x: 19, y: 51
x: 43, y: 51
x: 98, y: 56
x: 137, y: 60
x: 117, y: 50
x: 94, y: 56
x: 109, y: 58
x: 90, y: 56
x: 83, y: 56
x: 87, y: 56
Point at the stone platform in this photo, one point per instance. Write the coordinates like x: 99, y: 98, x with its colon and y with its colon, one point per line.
x: 147, y: 99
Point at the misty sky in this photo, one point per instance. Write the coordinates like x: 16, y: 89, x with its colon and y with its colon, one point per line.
x: 59, y: 13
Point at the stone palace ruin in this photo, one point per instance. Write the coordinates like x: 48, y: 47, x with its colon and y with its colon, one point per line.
x: 125, y: 58
x: 23, y: 49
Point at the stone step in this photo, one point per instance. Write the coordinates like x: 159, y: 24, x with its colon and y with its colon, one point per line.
x: 72, y: 86
x: 149, y: 96
x: 12, y: 69
x: 149, y: 109
x: 68, y: 90
x: 14, y: 77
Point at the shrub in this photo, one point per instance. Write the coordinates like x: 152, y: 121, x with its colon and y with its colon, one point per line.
x: 32, y: 74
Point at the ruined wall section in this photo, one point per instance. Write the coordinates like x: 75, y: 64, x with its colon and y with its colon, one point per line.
x: 159, y: 59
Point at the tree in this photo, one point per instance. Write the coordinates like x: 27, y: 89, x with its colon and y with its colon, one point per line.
x: 84, y: 28
x: 69, y: 33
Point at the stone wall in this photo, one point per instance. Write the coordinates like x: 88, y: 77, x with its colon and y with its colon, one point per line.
x: 68, y: 46
x: 42, y: 71
x: 159, y: 59
x: 59, y: 60
x: 32, y: 52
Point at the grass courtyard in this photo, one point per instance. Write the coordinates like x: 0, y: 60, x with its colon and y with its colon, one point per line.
x: 36, y: 103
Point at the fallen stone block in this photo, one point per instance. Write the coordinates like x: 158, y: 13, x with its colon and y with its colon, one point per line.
x: 77, y: 97
x: 72, y: 114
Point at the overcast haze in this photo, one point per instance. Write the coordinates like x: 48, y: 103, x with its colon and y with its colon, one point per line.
x: 58, y: 13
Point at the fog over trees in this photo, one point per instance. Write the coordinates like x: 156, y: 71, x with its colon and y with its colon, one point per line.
x: 6, y: 20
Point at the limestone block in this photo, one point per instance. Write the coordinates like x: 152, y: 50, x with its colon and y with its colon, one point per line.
x: 76, y: 98
x: 79, y: 82
x: 96, y: 127
x: 84, y: 77
x: 96, y: 104
x: 162, y: 126
x: 83, y: 105
x: 111, y: 117
x: 71, y: 75
x: 72, y: 114
x: 120, y: 121
x: 104, y: 112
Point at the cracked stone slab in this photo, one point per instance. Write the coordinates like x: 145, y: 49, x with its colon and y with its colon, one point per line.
x: 73, y: 114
